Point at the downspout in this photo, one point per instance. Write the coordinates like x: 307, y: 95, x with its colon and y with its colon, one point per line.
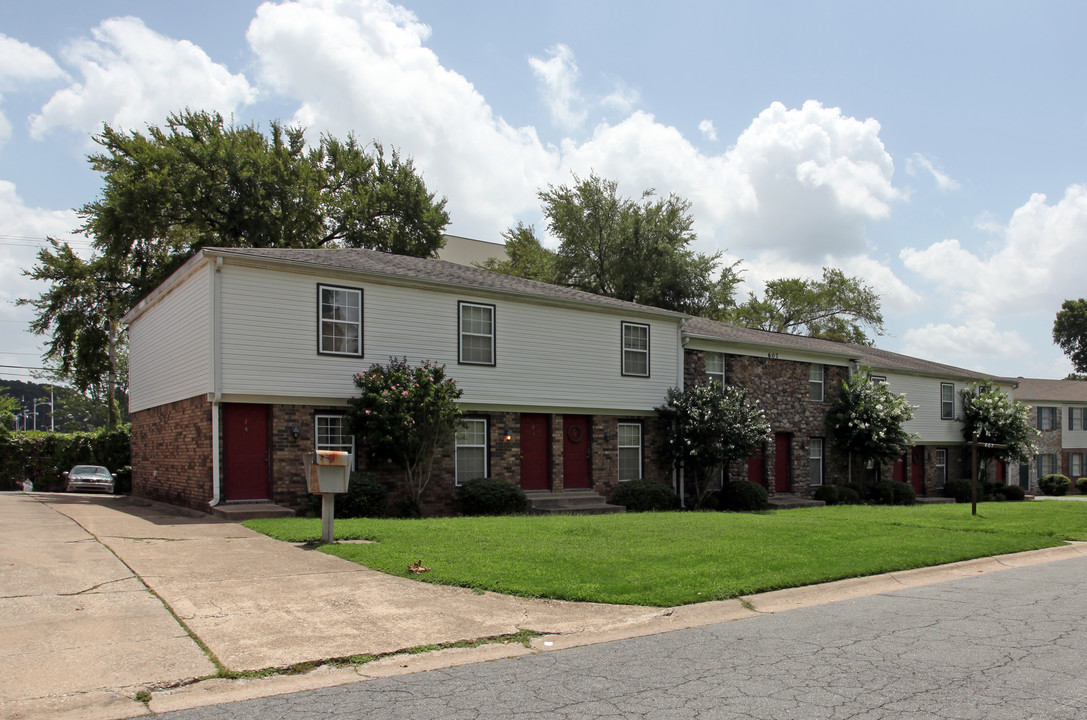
x: 216, y: 379
x: 682, y: 384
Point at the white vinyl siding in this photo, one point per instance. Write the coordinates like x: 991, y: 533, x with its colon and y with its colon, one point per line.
x: 715, y: 366
x: 635, y: 349
x: 476, y: 334
x: 815, y: 461
x: 630, y: 451
x: 340, y: 320
x: 170, y: 345
x: 815, y: 382
x: 330, y: 433
x: 472, y: 450
x: 947, y: 401
x: 554, y: 356
x: 926, y: 395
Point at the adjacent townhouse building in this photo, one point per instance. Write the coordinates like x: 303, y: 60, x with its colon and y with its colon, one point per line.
x: 243, y: 361
x: 1060, y: 412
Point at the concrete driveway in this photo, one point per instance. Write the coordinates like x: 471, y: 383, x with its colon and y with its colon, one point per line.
x: 104, y: 597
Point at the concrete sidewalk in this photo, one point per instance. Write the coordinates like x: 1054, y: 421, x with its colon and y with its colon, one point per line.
x: 88, y: 585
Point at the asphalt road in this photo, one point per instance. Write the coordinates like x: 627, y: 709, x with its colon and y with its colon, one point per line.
x: 1003, y: 645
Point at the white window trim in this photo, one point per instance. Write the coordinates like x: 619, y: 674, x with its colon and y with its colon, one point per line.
x: 1076, y: 416
x: 462, y: 333
x: 319, y: 445
x: 1038, y: 462
x: 948, y: 414
x: 486, y: 449
x: 321, y: 320
x: 623, y: 333
x: 640, y: 446
x: 1050, y: 412
x: 718, y: 376
x: 940, y: 463
x: 814, y: 443
x: 813, y: 382
x: 1082, y: 457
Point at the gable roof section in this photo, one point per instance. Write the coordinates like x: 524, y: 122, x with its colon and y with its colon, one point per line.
x: 860, y: 354
x: 1052, y: 390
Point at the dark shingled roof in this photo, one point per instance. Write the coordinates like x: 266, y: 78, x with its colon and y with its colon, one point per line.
x: 863, y: 354
x: 1052, y: 390
x: 406, y: 267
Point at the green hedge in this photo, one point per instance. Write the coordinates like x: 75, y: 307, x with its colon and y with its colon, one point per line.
x: 41, y: 456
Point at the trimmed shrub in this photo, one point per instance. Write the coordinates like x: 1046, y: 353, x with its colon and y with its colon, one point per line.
x: 882, y: 492
x: 854, y: 486
x: 41, y: 456
x: 958, y: 489
x: 645, y: 495
x: 492, y: 496
x: 1081, y: 485
x: 365, y: 497
x: 1055, y: 484
x: 743, y: 496
x: 903, y: 493
x: 848, y: 495
x: 1012, y: 493
x: 826, y: 493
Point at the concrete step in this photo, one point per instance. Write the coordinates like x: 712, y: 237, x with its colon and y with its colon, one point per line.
x: 573, y: 502
x: 236, y: 512
x: 787, y: 501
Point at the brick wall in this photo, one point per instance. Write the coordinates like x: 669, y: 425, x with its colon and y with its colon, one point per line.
x: 171, y: 453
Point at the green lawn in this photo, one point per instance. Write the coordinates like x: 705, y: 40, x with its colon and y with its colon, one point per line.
x: 676, y: 558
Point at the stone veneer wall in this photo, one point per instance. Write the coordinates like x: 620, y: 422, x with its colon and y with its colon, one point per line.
x: 171, y: 453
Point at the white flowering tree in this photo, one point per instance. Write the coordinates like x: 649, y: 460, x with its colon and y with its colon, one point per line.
x: 709, y: 426
x: 998, y: 420
x: 867, y: 418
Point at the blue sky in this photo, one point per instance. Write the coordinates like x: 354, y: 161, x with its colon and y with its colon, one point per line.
x: 938, y: 150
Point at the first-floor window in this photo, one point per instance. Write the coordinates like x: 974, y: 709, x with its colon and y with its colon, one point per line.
x: 472, y: 450
x: 816, y: 461
x: 331, y: 434
x: 941, y: 466
x: 630, y: 451
x: 1076, y: 464
x: 1047, y: 464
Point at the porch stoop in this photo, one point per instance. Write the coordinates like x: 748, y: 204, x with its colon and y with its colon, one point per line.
x: 571, y: 502
x: 236, y: 512
x: 786, y: 501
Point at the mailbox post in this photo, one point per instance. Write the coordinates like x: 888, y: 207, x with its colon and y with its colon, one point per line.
x: 328, y: 472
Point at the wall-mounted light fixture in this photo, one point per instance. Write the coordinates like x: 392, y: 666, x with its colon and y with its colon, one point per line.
x: 607, y: 434
x: 295, y: 431
x: 506, y: 434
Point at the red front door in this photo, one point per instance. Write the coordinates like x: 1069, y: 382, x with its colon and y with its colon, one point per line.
x: 917, y: 470
x: 999, y: 472
x: 783, y: 457
x: 575, y: 452
x: 245, y: 452
x: 535, y: 458
x: 898, y: 470
x: 756, y: 467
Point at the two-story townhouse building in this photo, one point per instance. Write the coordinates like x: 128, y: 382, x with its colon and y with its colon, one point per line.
x: 243, y: 360
x: 1060, y: 411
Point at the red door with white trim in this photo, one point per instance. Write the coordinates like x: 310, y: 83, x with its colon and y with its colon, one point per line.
x: 917, y: 470
x: 245, y: 452
x: 575, y: 452
x: 783, y: 458
x: 756, y: 466
x: 535, y: 455
x: 898, y: 469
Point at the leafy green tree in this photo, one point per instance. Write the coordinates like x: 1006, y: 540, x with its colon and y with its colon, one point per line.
x: 838, y: 307
x: 403, y: 416
x: 8, y: 406
x: 709, y: 426
x: 196, y: 182
x: 1070, y: 332
x: 614, y: 246
x: 866, y: 421
x: 997, y: 419
x: 526, y: 256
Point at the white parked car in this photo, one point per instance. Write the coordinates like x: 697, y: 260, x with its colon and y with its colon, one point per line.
x: 90, y: 477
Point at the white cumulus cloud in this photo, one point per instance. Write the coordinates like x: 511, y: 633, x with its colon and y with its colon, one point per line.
x: 131, y: 75
x: 974, y: 344
x: 919, y: 164
x: 708, y: 131
x: 21, y: 64
x: 558, y: 77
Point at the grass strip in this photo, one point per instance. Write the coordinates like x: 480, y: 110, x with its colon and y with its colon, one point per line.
x: 666, y: 559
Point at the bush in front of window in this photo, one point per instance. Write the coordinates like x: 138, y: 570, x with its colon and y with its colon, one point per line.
x: 903, y: 493
x: 849, y: 494
x: 365, y: 498
x: 1055, y: 484
x: 743, y: 496
x: 1012, y: 493
x: 1081, y: 485
x: 826, y: 493
x: 646, y: 495
x: 492, y: 496
x: 958, y: 489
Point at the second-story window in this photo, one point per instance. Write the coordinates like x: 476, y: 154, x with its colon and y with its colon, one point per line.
x: 1047, y: 418
x: 715, y: 367
x: 635, y: 349
x: 947, y: 401
x: 1076, y: 417
x: 339, y: 320
x: 476, y: 334
x: 815, y: 382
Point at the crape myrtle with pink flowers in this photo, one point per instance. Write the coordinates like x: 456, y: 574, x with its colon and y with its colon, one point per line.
x: 403, y: 415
